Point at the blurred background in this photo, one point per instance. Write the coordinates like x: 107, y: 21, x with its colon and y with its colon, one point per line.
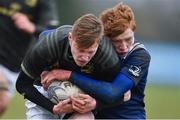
x: 158, y: 27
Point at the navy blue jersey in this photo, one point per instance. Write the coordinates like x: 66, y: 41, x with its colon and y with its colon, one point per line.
x: 135, y: 67
x: 132, y: 76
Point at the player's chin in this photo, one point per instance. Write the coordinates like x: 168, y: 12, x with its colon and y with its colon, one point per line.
x: 122, y: 54
x: 81, y: 64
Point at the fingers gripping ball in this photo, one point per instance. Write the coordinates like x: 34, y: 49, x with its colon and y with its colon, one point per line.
x: 61, y: 90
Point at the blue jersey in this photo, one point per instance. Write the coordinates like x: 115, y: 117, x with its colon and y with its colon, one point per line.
x: 133, y: 76
x: 135, y: 67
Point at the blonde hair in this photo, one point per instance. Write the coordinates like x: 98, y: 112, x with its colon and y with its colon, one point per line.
x: 87, y: 30
x: 117, y: 19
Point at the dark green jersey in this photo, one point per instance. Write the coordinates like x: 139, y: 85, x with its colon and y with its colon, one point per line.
x: 53, y: 51
x: 15, y: 42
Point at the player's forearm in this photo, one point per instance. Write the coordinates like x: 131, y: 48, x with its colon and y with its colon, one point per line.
x: 105, y: 91
x: 24, y: 86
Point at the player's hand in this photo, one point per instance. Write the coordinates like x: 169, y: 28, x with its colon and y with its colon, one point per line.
x: 83, y: 103
x: 127, y: 96
x: 64, y: 106
x: 23, y: 23
x: 57, y: 74
x: 4, y: 101
x: 43, y: 75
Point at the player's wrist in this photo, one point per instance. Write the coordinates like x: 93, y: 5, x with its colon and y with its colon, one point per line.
x: 72, y: 76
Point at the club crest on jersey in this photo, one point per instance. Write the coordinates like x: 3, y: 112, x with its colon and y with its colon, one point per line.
x: 135, y: 70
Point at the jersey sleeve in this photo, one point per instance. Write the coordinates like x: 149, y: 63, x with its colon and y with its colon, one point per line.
x: 136, y: 65
x: 40, y: 57
x: 107, y: 92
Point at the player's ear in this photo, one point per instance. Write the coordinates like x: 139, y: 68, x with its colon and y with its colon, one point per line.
x: 70, y: 37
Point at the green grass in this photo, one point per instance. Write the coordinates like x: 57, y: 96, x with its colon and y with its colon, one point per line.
x: 161, y: 103
x: 16, y: 109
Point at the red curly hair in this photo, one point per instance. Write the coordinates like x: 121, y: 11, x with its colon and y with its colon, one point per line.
x: 117, y: 19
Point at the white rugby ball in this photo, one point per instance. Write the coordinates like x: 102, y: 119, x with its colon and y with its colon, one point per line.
x: 61, y: 90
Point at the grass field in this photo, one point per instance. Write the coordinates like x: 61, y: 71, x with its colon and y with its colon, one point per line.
x: 161, y: 103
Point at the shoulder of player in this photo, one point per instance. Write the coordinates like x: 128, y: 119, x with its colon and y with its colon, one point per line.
x: 57, y: 34
x: 64, y: 29
x: 106, y: 55
x: 105, y: 48
x: 139, y: 51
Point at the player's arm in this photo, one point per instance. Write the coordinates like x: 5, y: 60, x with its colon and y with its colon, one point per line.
x: 32, y: 65
x: 111, y: 92
x: 45, y: 17
x: 41, y: 56
x: 48, y: 16
x: 129, y: 76
x: 36, y: 60
x: 108, y: 92
x: 24, y: 86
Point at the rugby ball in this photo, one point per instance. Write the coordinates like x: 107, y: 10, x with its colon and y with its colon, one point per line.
x: 61, y: 90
